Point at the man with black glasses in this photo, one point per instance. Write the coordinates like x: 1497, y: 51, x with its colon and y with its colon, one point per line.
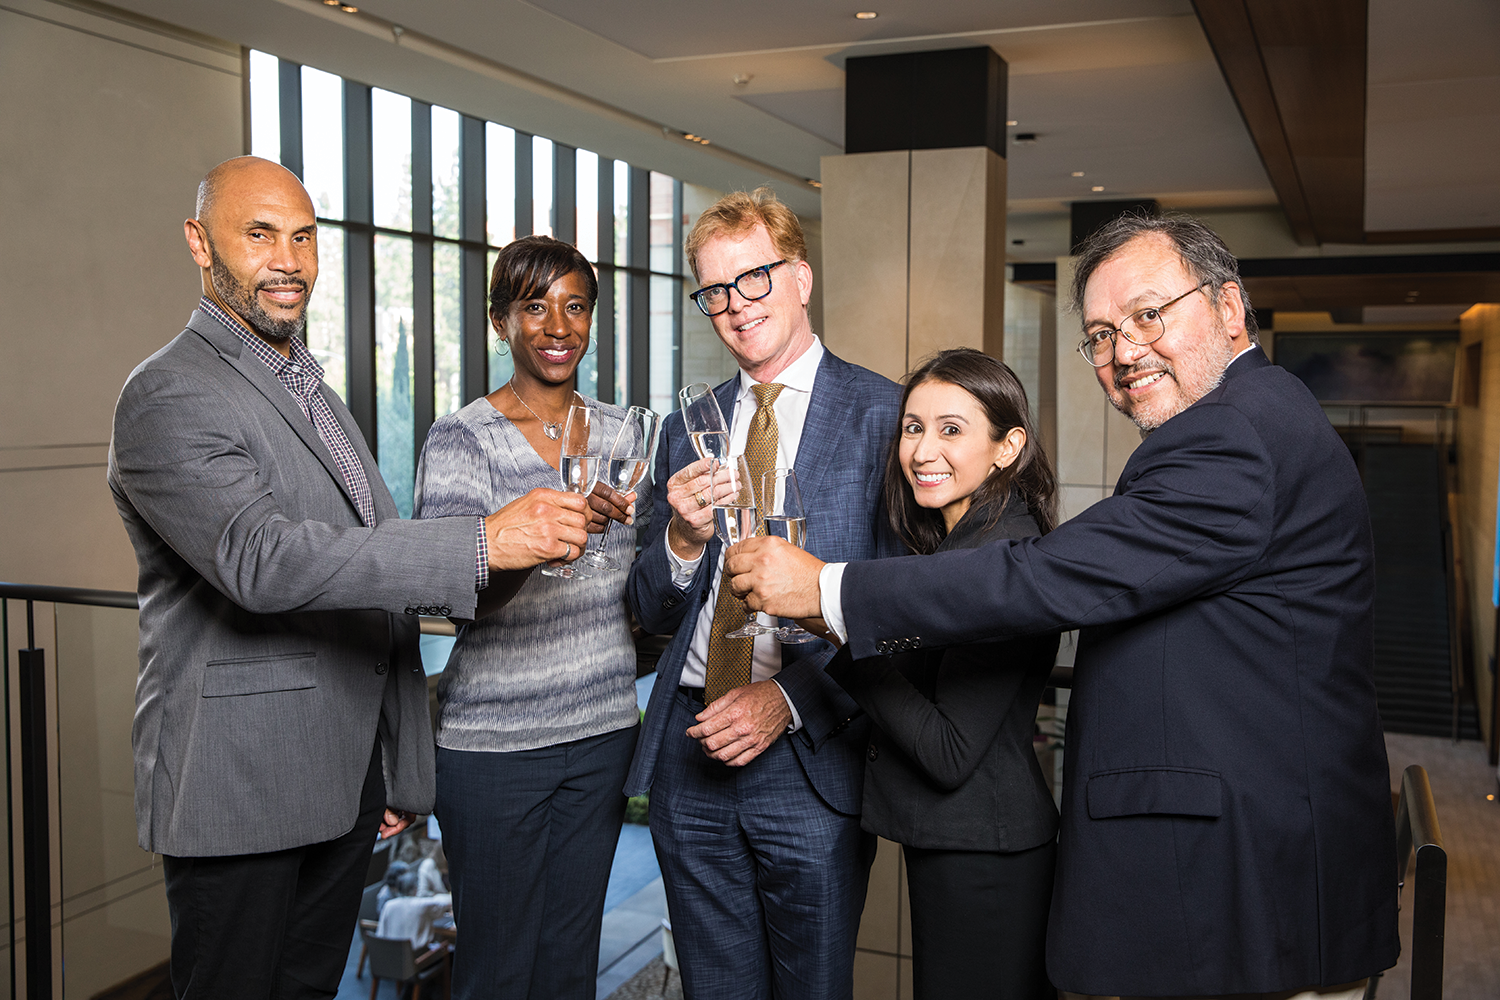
x: 754, y: 765
x: 1227, y: 822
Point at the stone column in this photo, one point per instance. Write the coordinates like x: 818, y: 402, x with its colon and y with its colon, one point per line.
x: 914, y: 212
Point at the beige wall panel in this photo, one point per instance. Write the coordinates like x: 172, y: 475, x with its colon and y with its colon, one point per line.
x: 957, y: 286
x: 105, y: 130
x: 879, y: 927
x: 1073, y: 500
x: 1478, y: 469
x: 996, y: 179
x: 864, y: 259
x: 1031, y: 352
x: 1121, y: 439
x: 877, y: 977
x: 1080, y: 402
x: 73, y: 536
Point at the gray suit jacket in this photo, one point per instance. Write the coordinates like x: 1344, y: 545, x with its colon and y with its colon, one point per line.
x: 278, y: 637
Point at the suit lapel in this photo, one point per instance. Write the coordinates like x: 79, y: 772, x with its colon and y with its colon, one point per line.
x: 260, y: 377
x: 820, y: 436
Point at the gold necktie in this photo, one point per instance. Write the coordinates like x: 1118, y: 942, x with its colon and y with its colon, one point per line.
x: 729, y: 660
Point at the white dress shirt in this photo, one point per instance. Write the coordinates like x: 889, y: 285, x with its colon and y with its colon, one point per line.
x: 831, y: 576
x: 791, y: 413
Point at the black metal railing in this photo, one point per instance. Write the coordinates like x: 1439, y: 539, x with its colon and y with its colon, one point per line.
x: 36, y: 809
x: 1417, y: 832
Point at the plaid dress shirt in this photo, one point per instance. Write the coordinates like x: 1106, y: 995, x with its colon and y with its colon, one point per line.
x: 303, y: 378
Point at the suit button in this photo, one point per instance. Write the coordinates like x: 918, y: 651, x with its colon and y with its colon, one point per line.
x: 873, y: 753
x: 380, y: 668
x: 411, y: 610
x: 703, y: 596
x: 445, y: 611
x: 669, y: 603
x: 916, y: 642
x: 881, y: 646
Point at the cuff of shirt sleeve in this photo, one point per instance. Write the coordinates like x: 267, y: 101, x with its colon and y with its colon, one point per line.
x: 481, y: 558
x: 831, y: 598
x: 796, y: 722
x: 682, y: 570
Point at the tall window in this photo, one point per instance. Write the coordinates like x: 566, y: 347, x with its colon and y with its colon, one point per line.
x: 414, y: 202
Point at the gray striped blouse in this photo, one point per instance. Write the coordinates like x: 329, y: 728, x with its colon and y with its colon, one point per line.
x: 557, y: 663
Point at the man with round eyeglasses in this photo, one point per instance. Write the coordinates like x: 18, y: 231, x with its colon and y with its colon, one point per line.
x: 1227, y: 825
x: 753, y: 755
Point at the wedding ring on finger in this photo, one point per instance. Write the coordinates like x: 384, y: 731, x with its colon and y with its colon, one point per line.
x: 702, y: 500
x: 569, y: 556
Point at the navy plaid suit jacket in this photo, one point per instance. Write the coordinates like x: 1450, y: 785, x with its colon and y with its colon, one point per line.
x: 840, y: 465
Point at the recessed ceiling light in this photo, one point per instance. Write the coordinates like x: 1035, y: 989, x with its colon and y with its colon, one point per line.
x: 867, y: 15
x: 816, y: 184
x: 349, y: 10
x: 334, y: 3
x: 1078, y: 173
x: 1097, y: 187
x: 1012, y: 123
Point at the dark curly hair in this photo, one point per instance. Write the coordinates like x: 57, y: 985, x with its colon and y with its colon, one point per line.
x: 1000, y: 394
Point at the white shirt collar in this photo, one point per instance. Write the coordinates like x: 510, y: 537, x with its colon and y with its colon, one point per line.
x: 797, y: 376
x: 1241, y: 355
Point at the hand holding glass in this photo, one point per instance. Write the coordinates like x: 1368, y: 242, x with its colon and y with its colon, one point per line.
x: 736, y: 518
x: 579, y: 468
x: 630, y: 459
x: 786, y: 518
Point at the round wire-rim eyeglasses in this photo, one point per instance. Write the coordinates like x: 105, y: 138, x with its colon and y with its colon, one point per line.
x: 1149, y: 327
x: 751, y: 277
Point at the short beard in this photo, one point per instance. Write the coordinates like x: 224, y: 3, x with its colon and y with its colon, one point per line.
x: 1204, y: 353
x: 242, y: 300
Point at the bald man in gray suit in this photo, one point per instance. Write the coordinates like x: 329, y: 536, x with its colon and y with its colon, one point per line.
x: 281, y: 706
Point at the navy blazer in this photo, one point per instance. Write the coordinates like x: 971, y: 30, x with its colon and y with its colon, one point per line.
x: 1226, y: 820
x: 840, y: 462
x: 951, y: 764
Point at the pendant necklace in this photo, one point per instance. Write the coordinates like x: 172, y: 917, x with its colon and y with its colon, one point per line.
x: 551, y: 428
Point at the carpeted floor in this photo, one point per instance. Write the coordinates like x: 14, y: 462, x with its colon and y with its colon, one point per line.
x: 647, y: 984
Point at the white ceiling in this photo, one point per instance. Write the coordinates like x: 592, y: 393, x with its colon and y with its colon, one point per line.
x: 1126, y: 91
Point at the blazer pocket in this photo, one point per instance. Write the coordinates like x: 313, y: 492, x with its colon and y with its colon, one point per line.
x: 1155, y: 791
x: 259, y: 675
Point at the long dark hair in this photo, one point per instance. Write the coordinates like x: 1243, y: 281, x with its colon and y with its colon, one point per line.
x: 527, y: 267
x: 1001, y: 396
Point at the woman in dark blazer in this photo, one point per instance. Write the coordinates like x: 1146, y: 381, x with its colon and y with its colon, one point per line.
x: 951, y: 774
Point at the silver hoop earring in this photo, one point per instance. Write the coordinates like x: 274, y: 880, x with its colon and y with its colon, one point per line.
x: 501, y: 347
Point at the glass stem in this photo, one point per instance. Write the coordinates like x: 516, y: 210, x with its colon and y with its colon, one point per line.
x: 602, y: 536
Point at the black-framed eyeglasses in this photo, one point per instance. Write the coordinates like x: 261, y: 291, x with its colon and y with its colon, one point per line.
x: 1098, y: 346
x: 753, y: 284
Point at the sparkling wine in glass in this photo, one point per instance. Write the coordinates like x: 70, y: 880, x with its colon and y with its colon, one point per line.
x: 630, y: 460
x: 707, y: 429
x: 579, y: 469
x: 786, y: 518
x: 736, y: 517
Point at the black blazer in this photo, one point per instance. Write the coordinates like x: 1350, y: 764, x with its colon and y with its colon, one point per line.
x: 950, y: 763
x: 1226, y: 815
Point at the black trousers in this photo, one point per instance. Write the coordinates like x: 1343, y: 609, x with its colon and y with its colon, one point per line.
x: 530, y: 837
x: 979, y: 923
x: 277, y: 925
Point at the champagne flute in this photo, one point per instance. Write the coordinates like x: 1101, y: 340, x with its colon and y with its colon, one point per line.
x: 786, y: 518
x: 630, y: 459
x: 736, y: 517
x: 579, y: 468
x: 707, y: 429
